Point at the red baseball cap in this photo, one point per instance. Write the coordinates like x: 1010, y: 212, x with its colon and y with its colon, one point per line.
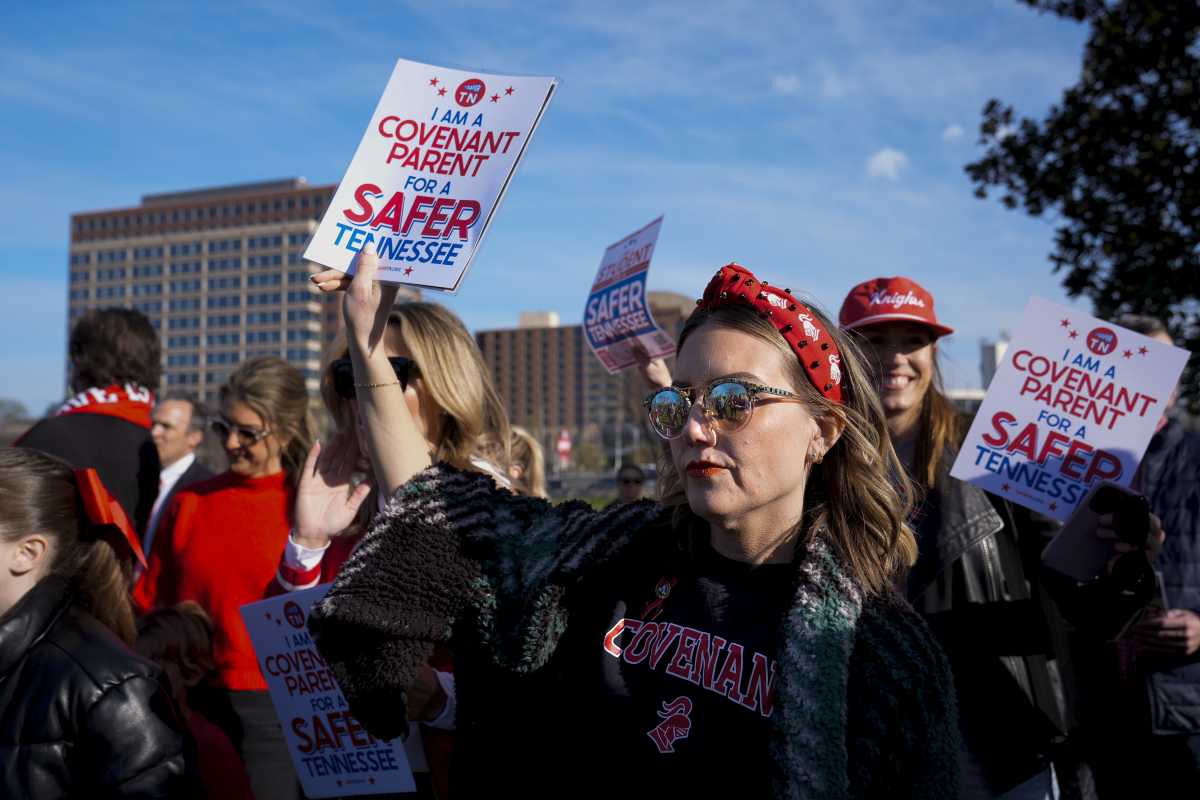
x: 897, y: 299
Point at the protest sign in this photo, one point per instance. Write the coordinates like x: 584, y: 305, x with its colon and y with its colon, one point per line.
x: 617, y: 316
x: 430, y: 172
x: 333, y: 754
x: 1075, y: 401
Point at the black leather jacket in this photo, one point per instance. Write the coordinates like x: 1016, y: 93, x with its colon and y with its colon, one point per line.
x: 1002, y: 633
x: 81, y: 715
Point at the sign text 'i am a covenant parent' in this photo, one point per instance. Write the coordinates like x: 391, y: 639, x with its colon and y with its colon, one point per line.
x: 1075, y: 401
x: 430, y: 172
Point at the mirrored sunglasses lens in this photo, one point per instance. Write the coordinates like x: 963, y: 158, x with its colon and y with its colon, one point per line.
x: 729, y: 404
x: 668, y: 413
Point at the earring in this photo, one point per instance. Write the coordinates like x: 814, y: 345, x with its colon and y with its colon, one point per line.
x: 818, y: 458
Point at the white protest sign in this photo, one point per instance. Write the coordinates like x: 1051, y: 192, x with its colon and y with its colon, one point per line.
x: 617, y: 315
x: 333, y: 754
x: 1075, y: 401
x: 430, y: 172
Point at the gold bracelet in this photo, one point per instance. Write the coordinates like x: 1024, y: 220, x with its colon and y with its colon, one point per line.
x: 375, y: 385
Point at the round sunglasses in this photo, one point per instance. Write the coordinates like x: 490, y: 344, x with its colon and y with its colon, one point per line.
x: 246, y: 436
x: 727, y: 404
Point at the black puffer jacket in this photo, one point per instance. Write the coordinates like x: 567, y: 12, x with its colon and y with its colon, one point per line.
x: 81, y: 715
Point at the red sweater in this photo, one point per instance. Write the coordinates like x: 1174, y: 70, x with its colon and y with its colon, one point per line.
x: 218, y: 544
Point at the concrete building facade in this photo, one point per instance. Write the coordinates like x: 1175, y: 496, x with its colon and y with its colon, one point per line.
x: 218, y: 271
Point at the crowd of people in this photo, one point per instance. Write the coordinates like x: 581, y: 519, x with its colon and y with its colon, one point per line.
x: 810, y: 607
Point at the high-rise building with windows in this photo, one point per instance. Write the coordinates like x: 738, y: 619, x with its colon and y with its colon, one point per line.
x: 219, y: 272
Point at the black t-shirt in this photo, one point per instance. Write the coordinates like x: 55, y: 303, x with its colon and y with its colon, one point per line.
x: 678, y: 677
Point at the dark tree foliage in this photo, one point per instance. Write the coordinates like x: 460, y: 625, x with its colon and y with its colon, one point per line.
x: 1116, y: 164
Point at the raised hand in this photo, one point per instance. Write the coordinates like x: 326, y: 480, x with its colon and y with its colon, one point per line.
x: 367, y: 303
x: 654, y: 371
x: 326, y: 501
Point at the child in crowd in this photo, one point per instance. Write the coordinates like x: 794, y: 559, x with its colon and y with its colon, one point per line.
x: 179, y: 640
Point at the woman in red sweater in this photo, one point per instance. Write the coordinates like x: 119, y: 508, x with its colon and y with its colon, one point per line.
x: 219, y: 545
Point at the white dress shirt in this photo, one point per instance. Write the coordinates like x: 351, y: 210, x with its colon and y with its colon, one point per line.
x: 167, y: 478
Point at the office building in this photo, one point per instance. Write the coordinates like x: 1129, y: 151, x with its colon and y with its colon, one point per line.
x: 218, y: 271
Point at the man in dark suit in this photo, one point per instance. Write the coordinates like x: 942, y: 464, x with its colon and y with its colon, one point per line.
x: 115, y: 368
x: 178, y: 430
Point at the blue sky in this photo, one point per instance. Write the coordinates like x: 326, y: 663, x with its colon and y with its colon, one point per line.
x: 819, y: 143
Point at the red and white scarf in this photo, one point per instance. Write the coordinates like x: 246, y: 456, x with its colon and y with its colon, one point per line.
x: 128, y: 401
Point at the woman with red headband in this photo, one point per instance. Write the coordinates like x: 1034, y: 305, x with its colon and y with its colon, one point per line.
x: 81, y: 715
x: 742, y: 637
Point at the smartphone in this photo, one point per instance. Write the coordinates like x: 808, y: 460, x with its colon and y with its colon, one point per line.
x: 1076, y: 551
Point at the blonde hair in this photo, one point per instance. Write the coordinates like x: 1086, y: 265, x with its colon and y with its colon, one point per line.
x: 452, y: 370
x: 526, y: 453
x: 457, y: 379
x: 276, y: 391
x: 858, y: 494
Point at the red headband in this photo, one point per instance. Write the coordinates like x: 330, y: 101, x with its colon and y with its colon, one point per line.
x: 803, y: 330
x: 106, y: 516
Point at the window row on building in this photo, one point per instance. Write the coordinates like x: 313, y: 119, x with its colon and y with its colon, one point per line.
x: 136, y: 218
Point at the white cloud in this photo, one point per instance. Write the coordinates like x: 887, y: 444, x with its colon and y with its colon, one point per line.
x: 786, y: 84
x: 952, y: 133
x: 887, y: 163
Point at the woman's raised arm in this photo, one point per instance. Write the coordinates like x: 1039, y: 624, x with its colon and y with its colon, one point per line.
x: 398, y: 450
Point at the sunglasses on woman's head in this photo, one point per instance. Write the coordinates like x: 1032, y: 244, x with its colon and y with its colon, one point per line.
x: 246, y: 435
x: 343, y: 374
x: 727, y: 404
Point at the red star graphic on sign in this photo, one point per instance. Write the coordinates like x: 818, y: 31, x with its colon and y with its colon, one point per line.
x: 1004, y: 487
x: 1072, y: 334
x: 442, y: 92
x: 508, y: 90
x: 495, y: 98
x: 1142, y: 350
x: 1066, y: 323
x: 408, y: 270
x: 1128, y: 354
x: 433, y: 81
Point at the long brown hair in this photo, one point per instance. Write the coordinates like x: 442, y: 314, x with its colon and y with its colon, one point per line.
x: 851, y: 494
x: 275, y: 390
x: 941, y: 426
x: 38, y: 494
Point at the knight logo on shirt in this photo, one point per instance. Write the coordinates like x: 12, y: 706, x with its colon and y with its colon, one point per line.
x: 676, y: 724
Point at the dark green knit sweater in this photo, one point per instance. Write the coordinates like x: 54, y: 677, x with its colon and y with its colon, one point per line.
x: 865, y: 700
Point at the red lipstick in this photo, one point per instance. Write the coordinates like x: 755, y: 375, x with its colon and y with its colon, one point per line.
x: 703, y: 469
